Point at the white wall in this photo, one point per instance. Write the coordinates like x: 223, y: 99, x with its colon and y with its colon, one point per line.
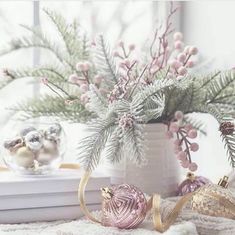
x: 210, y: 26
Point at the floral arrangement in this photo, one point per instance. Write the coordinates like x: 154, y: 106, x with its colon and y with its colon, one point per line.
x: 118, y: 94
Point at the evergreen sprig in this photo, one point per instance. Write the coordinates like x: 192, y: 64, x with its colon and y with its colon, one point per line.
x: 104, y: 61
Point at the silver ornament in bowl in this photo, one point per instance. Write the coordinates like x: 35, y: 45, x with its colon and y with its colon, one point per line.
x: 34, y: 150
x: 26, y: 130
x: 34, y: 140
x: 53, y: 132
x: 13, y: 144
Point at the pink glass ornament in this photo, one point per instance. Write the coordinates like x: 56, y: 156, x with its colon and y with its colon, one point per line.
x: 191, y: 184
x: 124, y: 206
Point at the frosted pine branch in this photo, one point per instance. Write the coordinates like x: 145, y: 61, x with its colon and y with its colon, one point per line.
x: 104, y: 61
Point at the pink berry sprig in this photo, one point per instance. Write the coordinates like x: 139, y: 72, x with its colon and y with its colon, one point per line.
x: 124, y: 53
x: 182, y: 61
x: 183, y: 134
x: 84, y: 80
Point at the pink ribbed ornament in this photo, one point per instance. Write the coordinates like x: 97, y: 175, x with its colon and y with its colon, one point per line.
x: 191, y: 184
x: 124, y: 206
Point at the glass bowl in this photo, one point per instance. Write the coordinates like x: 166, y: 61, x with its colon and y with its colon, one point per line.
x: 34, y: 148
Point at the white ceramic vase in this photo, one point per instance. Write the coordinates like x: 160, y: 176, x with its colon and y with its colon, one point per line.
x: 160, y: 175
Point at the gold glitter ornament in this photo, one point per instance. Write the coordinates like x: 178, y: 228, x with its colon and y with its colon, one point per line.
x: 24, y: 157
x: 215, y: 200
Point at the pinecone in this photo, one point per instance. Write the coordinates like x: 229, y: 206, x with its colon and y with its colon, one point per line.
x: 227, y: 128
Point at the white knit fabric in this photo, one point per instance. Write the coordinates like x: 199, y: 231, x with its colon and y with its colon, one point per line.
x: 85, y: 227
x: 188, y: 223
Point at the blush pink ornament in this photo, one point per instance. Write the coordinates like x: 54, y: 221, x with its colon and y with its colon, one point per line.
x: 192, y: 134
x: 191, y: 184
x: 124, y: 206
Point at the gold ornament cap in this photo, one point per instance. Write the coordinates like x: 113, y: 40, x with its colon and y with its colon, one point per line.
x: 106, y: 193
x: 223, y: 182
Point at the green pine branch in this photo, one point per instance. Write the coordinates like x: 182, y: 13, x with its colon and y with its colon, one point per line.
x: 114, y: 150
x: 105, y: 62
x: 134, y: 144
x: 46, y: 71
x: 52, y: 106
x: 91, y: 147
